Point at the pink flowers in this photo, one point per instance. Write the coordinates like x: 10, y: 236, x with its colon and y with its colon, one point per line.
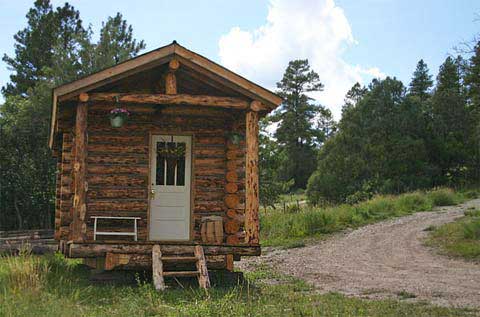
x: 119, y: 112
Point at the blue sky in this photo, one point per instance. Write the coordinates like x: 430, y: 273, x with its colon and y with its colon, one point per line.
x: 345, y: 40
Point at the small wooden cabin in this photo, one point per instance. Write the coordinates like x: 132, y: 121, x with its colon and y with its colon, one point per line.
x: 181, y: 172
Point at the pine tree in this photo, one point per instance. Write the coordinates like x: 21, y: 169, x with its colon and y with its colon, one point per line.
x: 296, y: 134
x: 450, y: 122
x: 472, y: 82
x: 34, y: 47
x: 421, y: 82
x: 116, y: 42
x: 378, y: 149
x: 353, y: 96
x: 52, y: 49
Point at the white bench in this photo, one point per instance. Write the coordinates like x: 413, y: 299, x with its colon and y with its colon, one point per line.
x: 111, y: 233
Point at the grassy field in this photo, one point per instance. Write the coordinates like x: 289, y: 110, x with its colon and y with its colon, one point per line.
x: 296, y: 226
x: 52, y: 286
x: 460, y: 238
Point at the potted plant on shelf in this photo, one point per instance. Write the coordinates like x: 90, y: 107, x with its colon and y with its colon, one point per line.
x: 118, y: 117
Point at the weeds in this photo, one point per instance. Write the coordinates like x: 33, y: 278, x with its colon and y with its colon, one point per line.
x: 471, y: 229
x: 66, y: 292
x: 406, y: 295
x: 23, y: 272
x: 460, y: 238
x: 443, y: 197
x: 289, y: 228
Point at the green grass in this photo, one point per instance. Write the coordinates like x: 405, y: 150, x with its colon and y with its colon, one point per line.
x: 287, y: 229
x: 62, y: 289
x: 460, y: 238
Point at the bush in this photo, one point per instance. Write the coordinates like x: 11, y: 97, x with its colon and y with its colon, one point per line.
x: 442, y: 197
x: 357, y: 197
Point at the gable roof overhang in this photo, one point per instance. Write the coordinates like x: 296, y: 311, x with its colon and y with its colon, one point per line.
x: 155, y: 58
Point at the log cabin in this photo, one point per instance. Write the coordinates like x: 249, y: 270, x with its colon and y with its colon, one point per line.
x: 175, y: 181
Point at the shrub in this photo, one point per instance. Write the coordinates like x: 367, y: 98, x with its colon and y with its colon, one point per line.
x: 442, y: 197
x: 357, y: 197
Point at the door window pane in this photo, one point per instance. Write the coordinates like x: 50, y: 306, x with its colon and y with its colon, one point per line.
x: 181, y: 164
x: 170, y: 169
x: 160, y: 179
x: 171, y: 162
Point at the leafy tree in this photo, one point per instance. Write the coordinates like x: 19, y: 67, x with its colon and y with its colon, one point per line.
x: 303, y: 126
x: 421, y: 82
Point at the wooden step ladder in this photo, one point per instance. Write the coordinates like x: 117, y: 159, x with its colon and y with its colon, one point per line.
x: 200, y: 263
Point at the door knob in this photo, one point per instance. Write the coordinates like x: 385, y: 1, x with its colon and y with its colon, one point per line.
x: 152, y: 193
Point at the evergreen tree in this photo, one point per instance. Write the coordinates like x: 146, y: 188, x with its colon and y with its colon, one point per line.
x: 421, y: 82
x: 116, y: 42
x: 53, y: 49
x: 378, y: 148
x: 353, y: 96
x: 450, y: 122
x: 34, y: 47
x: 270, y: 157
x: 472, y: 82
x: 297, y: 134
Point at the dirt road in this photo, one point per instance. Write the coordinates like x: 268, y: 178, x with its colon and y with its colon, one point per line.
x: 387, y: 259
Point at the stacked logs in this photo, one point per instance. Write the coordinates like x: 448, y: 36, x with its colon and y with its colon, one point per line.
x: 235, y: 215
x: 65, y: 188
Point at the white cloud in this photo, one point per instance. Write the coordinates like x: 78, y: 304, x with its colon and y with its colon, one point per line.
x: 313, y: 29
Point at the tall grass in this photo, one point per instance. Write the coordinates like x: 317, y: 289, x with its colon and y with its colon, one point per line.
x: 460, y: 238
x: 23, y: 273
x: 471, y: 229
x: 279, y: 228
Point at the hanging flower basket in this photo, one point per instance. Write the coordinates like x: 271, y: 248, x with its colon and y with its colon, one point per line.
x: 118, y: 117
x: 235, y: 137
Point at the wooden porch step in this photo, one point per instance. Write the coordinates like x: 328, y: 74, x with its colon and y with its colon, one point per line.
x: 200, y: 263
x: 179, y: 259
x: 181, y: 273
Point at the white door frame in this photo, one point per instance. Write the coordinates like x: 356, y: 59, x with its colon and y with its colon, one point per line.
x: 156, y: 191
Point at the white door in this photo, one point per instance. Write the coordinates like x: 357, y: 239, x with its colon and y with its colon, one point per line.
x: 170, y: 172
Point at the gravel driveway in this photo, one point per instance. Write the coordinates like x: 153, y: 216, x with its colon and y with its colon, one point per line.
x: 386, y: 259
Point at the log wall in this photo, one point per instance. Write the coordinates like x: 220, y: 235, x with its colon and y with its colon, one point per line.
x: 117, y: 166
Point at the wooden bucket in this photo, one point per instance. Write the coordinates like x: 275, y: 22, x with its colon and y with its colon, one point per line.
x: 212, y: 229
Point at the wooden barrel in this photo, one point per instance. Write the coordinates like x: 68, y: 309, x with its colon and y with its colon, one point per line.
x: 212, y: 229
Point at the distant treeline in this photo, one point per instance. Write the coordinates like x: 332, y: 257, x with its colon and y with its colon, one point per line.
x: 390, y: 139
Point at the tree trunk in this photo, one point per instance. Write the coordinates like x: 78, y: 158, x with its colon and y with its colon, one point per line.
x: 17, y: 212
